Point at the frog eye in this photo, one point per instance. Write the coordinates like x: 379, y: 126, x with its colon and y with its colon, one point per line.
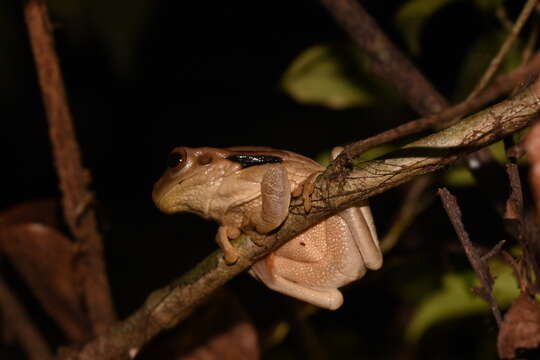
x: 175, y: 160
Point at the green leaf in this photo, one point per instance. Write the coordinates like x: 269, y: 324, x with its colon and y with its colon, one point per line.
x: 498, y: 151
x: 412, y: 16
x: 331, y: 76
x: 377, y: 151
x: 456, y: 300
x: 458, y: 176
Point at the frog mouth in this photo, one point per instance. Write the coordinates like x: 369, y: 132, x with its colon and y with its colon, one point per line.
x: 167, y: 198
x: 161, y: 189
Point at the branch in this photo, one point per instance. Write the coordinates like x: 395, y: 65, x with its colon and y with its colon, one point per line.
x: 532, y: 145
x: 74, y: 178
x: 393, y: 66
x: 479, y: 265
x: 517, y: 225
x: 502, y: 85
x: 415, y: 201
x: 386, y: 60
x: 166, y: 307
x: 503, y: 51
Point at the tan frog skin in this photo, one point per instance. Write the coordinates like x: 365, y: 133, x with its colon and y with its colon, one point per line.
x: 248, y: 189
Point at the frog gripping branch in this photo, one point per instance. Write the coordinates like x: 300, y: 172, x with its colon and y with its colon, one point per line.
x: 249, y: 190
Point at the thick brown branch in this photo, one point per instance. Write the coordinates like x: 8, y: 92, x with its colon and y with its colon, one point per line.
x: 392, y: 66
x: 74, y: 178
x: 166, y: 307
x: 28, y: 336
x: 386, y: 60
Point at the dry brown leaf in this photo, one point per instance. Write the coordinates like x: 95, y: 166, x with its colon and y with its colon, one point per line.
x: 220, y: 330
x: 44, y: 211
x: 45, y: 258
x: 520, y: 328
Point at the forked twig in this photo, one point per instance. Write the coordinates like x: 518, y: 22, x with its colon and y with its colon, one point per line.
x: 504, y: 84
x: 479, y: 265
x: 389, y: 63
x: 507, y: 45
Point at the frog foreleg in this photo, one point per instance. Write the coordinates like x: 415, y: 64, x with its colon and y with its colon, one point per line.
x: 224, y: 233
x: 275, y: 196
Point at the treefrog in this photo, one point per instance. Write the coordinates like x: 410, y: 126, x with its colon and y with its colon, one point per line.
x: 249, y: 189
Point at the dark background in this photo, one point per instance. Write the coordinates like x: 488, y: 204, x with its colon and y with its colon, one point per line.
x: 145, y: 76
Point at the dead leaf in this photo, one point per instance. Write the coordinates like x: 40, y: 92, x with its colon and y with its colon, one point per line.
x: 44, y: 211
x: 221, y: 330
x: 45, y: 258
x: 520, y: 328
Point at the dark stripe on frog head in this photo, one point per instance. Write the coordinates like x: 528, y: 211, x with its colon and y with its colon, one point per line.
x: 247, y: 160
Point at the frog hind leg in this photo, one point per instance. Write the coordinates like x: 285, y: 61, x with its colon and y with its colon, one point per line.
x: 360, y: 224
x: 330, y: 298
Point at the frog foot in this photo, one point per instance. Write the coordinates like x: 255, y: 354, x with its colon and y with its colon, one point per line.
x: 230, y: 253
x: 306, y: 190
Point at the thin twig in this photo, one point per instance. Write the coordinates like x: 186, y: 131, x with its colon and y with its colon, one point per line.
x: 515, y: 150
x: 532, y: 145
x: 494, y: 251
x: 502, y: 85
x: 503, y: 51
x: 514, y: 204
x: 516, y: 224
x: 166, y: 307
x: 20, y: 323
x: 415, y: 202
x: 516, y: 269
x: 502, y: 15
x: 394, y: 67
x: 480, y: 267
x: 74, y: 178
x: 530, y: 45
